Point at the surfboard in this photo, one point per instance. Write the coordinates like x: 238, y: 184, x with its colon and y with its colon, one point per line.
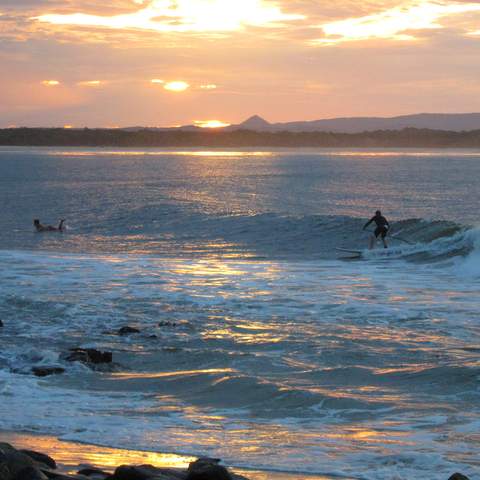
x: 354, y: 253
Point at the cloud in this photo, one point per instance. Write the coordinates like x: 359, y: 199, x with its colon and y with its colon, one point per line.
x: 182, y: 16
x: 397, y: 23
x: 50, y: 83
x: 90, y: 83
x: 176, y: 86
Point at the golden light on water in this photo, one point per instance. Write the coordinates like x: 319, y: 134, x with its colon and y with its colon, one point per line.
x: 153, y: 152
x: 176, y: 86
x: 210, y: 123
x: 71, y: 455
x: 181, y: 373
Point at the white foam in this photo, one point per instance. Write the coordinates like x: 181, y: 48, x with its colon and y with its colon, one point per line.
x: 470, y: 265
x: 250, y: 317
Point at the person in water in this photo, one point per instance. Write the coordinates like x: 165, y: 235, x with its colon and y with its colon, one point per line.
x: 382, y: 229
x: 48, y: 228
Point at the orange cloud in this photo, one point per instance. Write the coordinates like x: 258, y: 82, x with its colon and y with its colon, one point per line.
x: 176, y: 86
x: 183, y: 16
x: 393, y: 24
x: 50, y: 83
x: 91, y: 83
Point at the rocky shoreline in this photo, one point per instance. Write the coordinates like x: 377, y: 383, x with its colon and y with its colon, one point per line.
x: 31, y: 465
x: 24, y: 464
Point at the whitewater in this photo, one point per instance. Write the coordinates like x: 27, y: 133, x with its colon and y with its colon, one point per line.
x: 258, y: 342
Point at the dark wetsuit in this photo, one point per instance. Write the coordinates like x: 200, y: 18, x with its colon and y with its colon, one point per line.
x: 382, y: 225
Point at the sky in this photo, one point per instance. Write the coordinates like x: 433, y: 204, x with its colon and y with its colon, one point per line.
x: 211, y: 62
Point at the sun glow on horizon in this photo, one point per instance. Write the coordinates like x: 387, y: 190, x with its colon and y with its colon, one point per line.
x: 392, y: 24
x: 210, y: 124
x: 183, y: 16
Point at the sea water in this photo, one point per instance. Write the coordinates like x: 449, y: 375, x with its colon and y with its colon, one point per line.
x: 259, y: 343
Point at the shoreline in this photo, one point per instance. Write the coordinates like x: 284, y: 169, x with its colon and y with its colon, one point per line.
x: 72, y: 456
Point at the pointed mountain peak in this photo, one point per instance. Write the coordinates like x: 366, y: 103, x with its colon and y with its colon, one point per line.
x: 255, y: 122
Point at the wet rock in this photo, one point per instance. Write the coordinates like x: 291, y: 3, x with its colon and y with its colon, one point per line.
x: 144, y: 472
x: 458, y: 476
x: 87, y: 355
x: 46, y: 371
x: 207, y: 469
x: 1, y: 324
x: 29, y: 473
x: 4, y: 472
x: 13, y: 461
x: 41, y: 458
x: 61, y: 476
x: 128, y: 330
x: 167, y: 324
x: 93, y: 472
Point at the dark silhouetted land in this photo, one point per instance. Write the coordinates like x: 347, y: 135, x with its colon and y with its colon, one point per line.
x: 405, y: 138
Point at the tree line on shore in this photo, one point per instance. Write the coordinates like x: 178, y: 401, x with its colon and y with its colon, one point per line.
x: 408, y: 137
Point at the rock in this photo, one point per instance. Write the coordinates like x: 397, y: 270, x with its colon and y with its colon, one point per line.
x: 1, y: 323
x: 87, y: 355
x: 144, y: 472
x: 41, y: 457
x: 458, y: 476
x: 4, y: 472
x: 207, y: 469
x: 93, y: 472
x: 61, y: 476
x: 13, y: 461
x: 45, y: 371
x: 126, y: 472
x: 29, y: 473
x: 128, y: 330
x: 167, y: 324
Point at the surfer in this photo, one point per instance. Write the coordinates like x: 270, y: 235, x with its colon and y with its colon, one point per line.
x: 381, y: 230
x: 48, y: 228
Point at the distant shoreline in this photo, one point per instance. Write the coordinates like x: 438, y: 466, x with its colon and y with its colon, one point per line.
x: 218, y: 138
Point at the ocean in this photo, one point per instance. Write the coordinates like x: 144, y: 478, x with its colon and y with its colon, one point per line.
x: 259, y: 343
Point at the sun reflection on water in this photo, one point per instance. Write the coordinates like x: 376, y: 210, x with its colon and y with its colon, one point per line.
x: 71, y: 455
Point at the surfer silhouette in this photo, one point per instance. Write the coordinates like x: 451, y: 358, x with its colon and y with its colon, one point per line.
x: 48, y: 228
x: 381, y: 230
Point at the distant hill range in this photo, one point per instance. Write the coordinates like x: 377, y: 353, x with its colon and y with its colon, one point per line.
x: 453, y: 122
x: 456, y: 122
x: 425, y: 130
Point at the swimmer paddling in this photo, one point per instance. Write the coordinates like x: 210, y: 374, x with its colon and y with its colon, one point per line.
x: 48, y: 228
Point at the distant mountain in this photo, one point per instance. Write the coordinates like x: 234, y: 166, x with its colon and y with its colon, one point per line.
x: 436, y: 121
x: 254, y: 123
